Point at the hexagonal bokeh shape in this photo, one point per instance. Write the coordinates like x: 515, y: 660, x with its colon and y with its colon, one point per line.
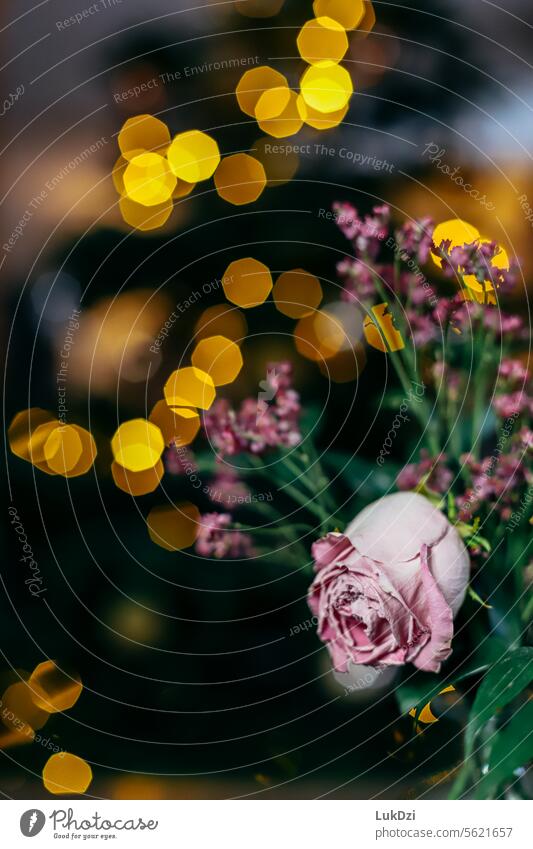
x: 144, y: 218
x: 137, y: 483
x: 247, y: 282
x: 287, y: 123
x: 137, y: 445
x: 322, y: 41
x: 20, y: 711
x: 88, y: 453
x: 36, y: 445
x: 177, y: 424
x: 320, y: 120
x: 240, y: 179
x: 190, y: 387
x: 348, y: 13
x: 65, y: 774
x: 21, y: 428
x: 148, y: 179
x: 254, y: 83
x: 326, y: 89
x: 174, y: 527
x: 193, y: 156
x: 297, y: 293
x: 53, y: 689
x: 221, y: 320
x: 219, y: 357
x: 272, y: 103
x: 143, y: 132
x: 63, y: 449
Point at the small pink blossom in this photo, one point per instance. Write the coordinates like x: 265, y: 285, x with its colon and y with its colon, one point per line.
x: 217, y: 539
x: 440, y: 476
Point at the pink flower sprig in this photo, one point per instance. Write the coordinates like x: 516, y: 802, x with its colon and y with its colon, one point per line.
x: 476, y: 259
x: 258, y: 424
x: 216, y: 538
x: 368, y: 233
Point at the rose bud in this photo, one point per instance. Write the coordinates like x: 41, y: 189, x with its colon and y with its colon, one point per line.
x: 386, y: 591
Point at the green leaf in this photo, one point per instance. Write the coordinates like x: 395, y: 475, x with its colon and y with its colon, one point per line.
x: 421, y: 687
x: 502, y: 683
x: 512, y: 748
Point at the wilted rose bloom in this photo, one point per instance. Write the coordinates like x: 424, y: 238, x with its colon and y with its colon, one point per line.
x: 386, y: 591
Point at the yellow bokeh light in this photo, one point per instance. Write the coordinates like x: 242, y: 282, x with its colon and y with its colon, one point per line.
x: 21, y: 428
x: 190, y: 387
x: 36, y: 444
x: 314, y: 339
x: 297, y: 293
x: 177, y: 424
x: 321, y: 120
x: 240, y: 179
x: 148, y: 180
x: 137, y: 445
x: 380, y: 332
x: 64, y: 774
x: 254, y: 83
x: 280, y: 166
x: 117, y: 173
x: 219, y: 357
x: 272, y: 103
x: 328, y: 332
x: 193, y: 156
x: 456, y: 231
x: 247, y: 282
x: 500, y: 261
x: 143, y: 132
x: 326, y: 89
x: 35, y: 436
x: 259, y: 8
x: 222, y: 320
x: 19, y: 712
x: 368, y: 22
x: 52, y: 689
x: 287, y: 123
x: 174, y: 528
x: 144, y: 218
x: 348, y: 13
x: 62, y: 449
x: 182, y: 189
x: 344, y: 366
x: 16, y: 736
x: 322, y: 42
x: 137, y: 483
x: 88, y: 453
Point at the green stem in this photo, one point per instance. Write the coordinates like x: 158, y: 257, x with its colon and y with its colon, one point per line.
x: 400, y: 360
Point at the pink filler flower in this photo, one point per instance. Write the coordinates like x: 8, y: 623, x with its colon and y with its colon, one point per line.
x: 386, y: 592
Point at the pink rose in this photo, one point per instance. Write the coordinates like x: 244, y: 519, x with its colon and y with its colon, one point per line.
x: 386, y: 591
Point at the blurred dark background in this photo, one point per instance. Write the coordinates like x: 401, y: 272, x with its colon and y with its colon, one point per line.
x: 193, y: 686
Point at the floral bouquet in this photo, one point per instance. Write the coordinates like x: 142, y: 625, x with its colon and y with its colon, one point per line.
x: 431, y: 581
